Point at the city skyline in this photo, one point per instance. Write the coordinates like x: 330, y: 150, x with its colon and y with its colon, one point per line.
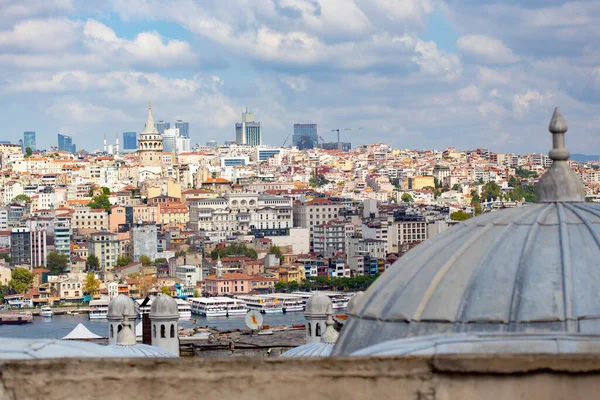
x: 429, y: 75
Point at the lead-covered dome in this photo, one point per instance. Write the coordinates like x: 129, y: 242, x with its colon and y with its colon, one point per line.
x: 317, y: 304
x: 164, y: 306
x: 120, y: 306
x: 525, y: 269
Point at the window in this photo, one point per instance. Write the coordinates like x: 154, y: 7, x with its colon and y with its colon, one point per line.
x: 309, y: 330
x: 163, y: 331
x: 318, y: 330
x: 112, y: 332
x: 172, y: 330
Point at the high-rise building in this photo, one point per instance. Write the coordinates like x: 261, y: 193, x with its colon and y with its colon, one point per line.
x: 150, y: 144
x: 305, y: 136
x: 29, y: 140
x: 129, y: 141
x: 248, y: 131
x: 162, y: 125
x: 65, y: 143
x: 184, y: 128
x: 169, y: 137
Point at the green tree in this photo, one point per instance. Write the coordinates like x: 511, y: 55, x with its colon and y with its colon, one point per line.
x: 145, y: 260
x: 91, y: 285
x: 475, y: 199
x: 196, y: 293
x: 4, y: 290
x: 280, y: 286
x: 456, y: 187
x: 293, y: 286
x: 477, y: 208
x: 407, y: 198
x: 526, y: 174
x: 5, y: 257
x: 105, y: 191
x: 92, y: 262
x: 277, y: 251
x: 234, y: 249
x: 22, y: 199
x: 124, y: 260
x: 161, y: 262
x: 100, y: 202
x: 459, y: 215
x: 180, y: 253
x: 28, y: 152
x: 490, y: 191
x: 20, y: 281
x: 56, y: 262
x: 165, y: 290
x: 318, y: 180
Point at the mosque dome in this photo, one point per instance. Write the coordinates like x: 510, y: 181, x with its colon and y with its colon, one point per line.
x: 120, y: 306
x: 164, y: 306
x: 317, y: 349
x: 354, y: 301
x: 530, y: 269
x: 317, y: 304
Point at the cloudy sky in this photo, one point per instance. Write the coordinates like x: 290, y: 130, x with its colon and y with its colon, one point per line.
x: 412, y: 73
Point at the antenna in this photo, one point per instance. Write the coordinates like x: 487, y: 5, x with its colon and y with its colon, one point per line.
x: 254, y: 320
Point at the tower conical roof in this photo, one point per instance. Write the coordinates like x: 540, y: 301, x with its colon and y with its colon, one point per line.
x: 150, y: 126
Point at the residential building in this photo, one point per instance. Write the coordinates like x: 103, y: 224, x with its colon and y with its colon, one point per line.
x: 315, y: 212
x: 406, y: 229
x: 228, y: 284
x: 87, y: 218
x: 106, y: 247
x: 20, y: 251
x: 329, y: 239
x: 248, y: 131
x: 366, y: 247
x: 144, y: 239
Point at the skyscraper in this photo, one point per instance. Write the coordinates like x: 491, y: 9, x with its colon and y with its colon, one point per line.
x: 184, y: 128
x: 65, y: 143
x: 129, y: 141
x: 248, y: 131
x: 305, y: 136
x: 162, y: 125
x: 29, y: 140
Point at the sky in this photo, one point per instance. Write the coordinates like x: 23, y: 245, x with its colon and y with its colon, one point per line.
x: 416, y: 74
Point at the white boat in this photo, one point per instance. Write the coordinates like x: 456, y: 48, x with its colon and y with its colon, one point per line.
x: 99, y: 308
x: 46, y: 312
x: 338, y: 299
x: 262, y: 304
x: 184, y: 307
x: 217, y: 306
x: 290, y: 302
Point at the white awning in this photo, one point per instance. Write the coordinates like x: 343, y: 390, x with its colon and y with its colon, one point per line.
x: 81, y: 333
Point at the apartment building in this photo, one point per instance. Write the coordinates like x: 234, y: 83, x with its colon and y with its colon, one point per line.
x: 329, y: 239
x: 315, y: 212
x: 87, y: 218
x: 106, y: 247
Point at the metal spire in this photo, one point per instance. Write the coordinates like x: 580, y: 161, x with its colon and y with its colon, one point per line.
x: 560, y: 183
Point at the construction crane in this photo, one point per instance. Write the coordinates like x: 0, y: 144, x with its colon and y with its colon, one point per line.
x: 339, y: 143
x: 285, y: 141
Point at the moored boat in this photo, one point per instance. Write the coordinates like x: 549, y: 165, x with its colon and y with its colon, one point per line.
x: 99, y: 308
x: 46, y: 312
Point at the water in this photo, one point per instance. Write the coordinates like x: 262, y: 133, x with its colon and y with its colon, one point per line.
x: 59, y: 326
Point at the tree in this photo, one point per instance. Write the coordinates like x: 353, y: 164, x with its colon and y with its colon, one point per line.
x: 293, y: 286
x: 161, y: 262
x: 145, y: 260
x: 57, y: 262
x: 100, y: 202
x: 93, y: 263
x: 456, y: 187
x: 28, y: 152
x: 124, y: 260
x: 490, y: 191
x: 407, y: 198
x: 234, y: 249
x: 20, y: 281
x: 165, y: 290
x: 523, y: 173
x: 459, y: 215
x: 180, y: 253
x: 22, y: 199
x: 4, y: 290
x: 318, y: 180
x: 475, y: 199
x: 105, y: 191
x: 477, y: 208
x: 5, y: 257
x: 196, y: 293
x: 280, y: 286
x: 91, y: 285
x: 277, y: 251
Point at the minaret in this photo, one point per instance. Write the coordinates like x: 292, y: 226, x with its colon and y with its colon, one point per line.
x: 219, y: 268
x: 117, y: 144
x: 105, y: 146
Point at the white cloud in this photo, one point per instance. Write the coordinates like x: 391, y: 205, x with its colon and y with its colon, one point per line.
x: 489, y: 109
x: 86, y: 113
x: 523, y: 102
x: 490, y: 76
x: 297, y: 83
x: 486, y: 49
x: 469, y: 94
x: 40, y: 35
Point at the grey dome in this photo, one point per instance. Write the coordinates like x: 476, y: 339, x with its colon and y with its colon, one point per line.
x: 142, y: 350
x: 317, y: 349
x: 121, y: 305
x: 485, y: 343
x: 526, y: 269
x: 317, y: 304
x: 164, y: 306
x: 354, y: 301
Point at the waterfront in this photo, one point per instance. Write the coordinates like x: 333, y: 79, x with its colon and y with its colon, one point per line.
x: 60, y: 325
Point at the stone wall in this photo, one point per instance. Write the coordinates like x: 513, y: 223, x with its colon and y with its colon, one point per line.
x: 415, y: 378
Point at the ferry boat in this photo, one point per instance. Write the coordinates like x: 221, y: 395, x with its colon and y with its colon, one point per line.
x: 218, y: 306
x: 290, y: 302
x: 184, y: 307
x: 338, y: 300
x: 99, y: 308
x: 46, y: 312
x: 262, y: 304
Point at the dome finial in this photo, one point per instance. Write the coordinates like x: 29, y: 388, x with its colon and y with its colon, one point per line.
x: 126, y: 337
x: 330, y: 335
x: 560, y: 183
x: 149, y: 105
